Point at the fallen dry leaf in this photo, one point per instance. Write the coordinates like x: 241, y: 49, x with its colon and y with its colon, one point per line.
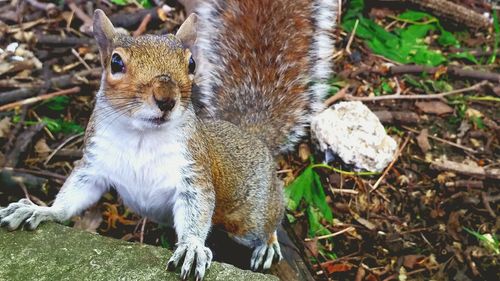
x: 42, y: 148
x: 423, y: 141
x: 90, y: 220
x: 4, y: 127
x: 434, y: 107
x: 412, y: 261
x: 337, y: 267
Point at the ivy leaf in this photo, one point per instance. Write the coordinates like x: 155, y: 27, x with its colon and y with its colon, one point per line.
x: 295, y: 191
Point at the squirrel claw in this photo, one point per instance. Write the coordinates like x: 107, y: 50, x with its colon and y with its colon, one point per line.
x: 195, y: 255
x: 23, y: 212
x: 264, y: 255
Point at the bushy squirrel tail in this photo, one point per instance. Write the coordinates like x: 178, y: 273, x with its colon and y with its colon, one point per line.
x: 264, y: 64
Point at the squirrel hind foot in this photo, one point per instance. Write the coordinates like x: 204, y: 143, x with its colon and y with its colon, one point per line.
x: 264, y: 255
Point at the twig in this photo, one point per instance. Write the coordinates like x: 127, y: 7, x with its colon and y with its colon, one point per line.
x: 351, y: 38
x: 87, y: 21
x: 350, y: 228
x: 24, y: 189
x: 414, y: 97
x: 21, y: 145
x: 338, y: 96
x: 141, y: 237
x: 486, y: 203
x: 13, y: 105
x: 77, y: 55
x: 465, y: 183
x: 454, y: 71
x: 342, y: 190
x: 61, y: 146
x: 48, y: 39
x: 398, y: 153
x: 49, y: 8
x: 443, y: 141
x: 465, y: 169
x: 34, y: 172
x: 404, y: 117
x: 143, y: 26
x: 56, y: 82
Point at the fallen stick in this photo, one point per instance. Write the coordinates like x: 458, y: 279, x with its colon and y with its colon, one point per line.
x: 49, y: 39
x: 443, y: 141
x: 132, y: 20
x: 64, y: 92
x: 396, y: 157
x: 63, y: 81
x: 22, y: 143
x: 143, y: 26
x: 465, y: 183
x: 450, y: 11
x: 403, y: 117
x: 453, y: 71
x: 416, y: 97
x: 465, y: 169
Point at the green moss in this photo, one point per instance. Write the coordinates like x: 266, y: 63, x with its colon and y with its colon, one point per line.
x: 56, y: 252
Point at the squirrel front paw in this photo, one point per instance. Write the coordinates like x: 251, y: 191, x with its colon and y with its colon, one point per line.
x: 191, y: 249
x: 264, y: 255
x: 24, y: 211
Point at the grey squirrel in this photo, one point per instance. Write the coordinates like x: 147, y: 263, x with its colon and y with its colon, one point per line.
x: 262, y: 70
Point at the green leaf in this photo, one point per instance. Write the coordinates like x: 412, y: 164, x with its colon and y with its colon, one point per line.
x: 478, y: 121
x: 496, y: 45
x: 414, y: 16
x: 295, y: 191
x: 120, y: 2
x: 57, y: 103
x: 447, y: 39
x: 145, y: 3
x: 319, y: 198
x: 59, y: 125
x: 464, y: 55
x: 315, y: 227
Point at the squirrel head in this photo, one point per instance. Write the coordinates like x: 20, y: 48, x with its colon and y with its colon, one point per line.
x: 147, y: 78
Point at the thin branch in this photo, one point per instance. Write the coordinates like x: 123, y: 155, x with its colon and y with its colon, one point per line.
x: 474, y: 87
x: 396, y: 157
x: 13, y: 105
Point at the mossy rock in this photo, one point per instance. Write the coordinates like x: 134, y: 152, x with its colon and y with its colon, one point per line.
x: 56, y: 252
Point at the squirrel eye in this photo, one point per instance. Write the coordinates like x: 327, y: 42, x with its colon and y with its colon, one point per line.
x: 192, y: 65
x: 117, y: 64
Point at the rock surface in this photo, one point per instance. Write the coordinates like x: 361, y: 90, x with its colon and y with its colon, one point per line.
x: 56, y: 252
x: 355, y: 134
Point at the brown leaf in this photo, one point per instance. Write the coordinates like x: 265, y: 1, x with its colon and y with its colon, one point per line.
x: 453, y: 225
x: 304, y: 152
x: 4, y: 127
x: 312, y: 246
x: 423, y: 141
x: 42, y: 148
x: 434, y: 107
x: 337, y: 267
x: 90, y: 220
x: 412, y: 261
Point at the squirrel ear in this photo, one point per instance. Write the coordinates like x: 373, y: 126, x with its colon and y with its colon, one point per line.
x: 103, y: 32
x: 187, y: 31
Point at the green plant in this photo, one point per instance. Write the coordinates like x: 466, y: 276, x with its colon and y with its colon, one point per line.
x: 487, y: 240
x: 308, y: 187
x: 405, y: 44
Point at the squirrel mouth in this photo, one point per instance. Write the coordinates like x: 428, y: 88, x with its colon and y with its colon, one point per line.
x: 157, y: 121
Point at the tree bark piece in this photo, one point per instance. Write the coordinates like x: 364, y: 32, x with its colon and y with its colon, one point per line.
x: 450, y: 11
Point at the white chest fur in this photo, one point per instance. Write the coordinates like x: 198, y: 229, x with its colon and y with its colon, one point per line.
x: 147, y: 168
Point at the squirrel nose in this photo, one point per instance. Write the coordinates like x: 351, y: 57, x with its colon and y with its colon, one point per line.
x: 165, y: 104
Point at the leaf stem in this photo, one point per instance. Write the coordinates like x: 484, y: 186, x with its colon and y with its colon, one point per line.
x: 349, y: 173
